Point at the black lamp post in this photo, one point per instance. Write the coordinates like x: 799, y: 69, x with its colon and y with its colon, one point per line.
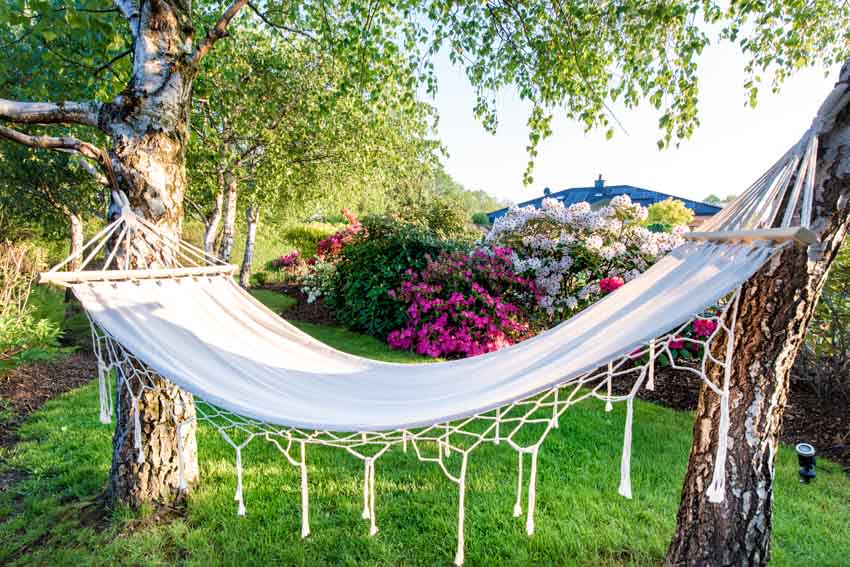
x: 806, y: 459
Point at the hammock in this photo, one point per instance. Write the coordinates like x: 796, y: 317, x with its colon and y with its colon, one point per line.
x: 258, y: 377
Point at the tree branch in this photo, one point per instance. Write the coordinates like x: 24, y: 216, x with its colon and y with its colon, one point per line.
x: 99, y: 177
x: 85, y: 113
x: 111, y: 62
x: 63, y: 144
x: 218, y: 31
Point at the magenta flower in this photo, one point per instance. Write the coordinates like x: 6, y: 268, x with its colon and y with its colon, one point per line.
x: 608, y: 285
x: 704, y: 327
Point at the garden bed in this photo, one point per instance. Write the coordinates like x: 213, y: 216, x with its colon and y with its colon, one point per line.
x: 302, y: 310
x: 826, y: 425
x: 24, y: 389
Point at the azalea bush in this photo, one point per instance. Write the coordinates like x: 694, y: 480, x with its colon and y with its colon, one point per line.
x: 375, y: 263
x: 464, y: 304
x: 575, y: 254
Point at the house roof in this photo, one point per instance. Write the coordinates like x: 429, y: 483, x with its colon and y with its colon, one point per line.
x: 602, y: 192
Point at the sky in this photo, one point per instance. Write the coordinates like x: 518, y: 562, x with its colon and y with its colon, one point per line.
x: 729, y: 150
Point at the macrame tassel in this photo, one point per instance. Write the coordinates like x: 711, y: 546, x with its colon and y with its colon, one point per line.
x: 373, y: 527
x: 181, y: 470
x: 498, y: 433
x: 608, y: 405
x: 305, y: 503
x: 626, y: 462
x: 461, y: 511
x: 103, y: 391
x: 532, y: 494
x: 717, y: 489
x: 365, y: 513
x: 518, y: 504
x: 555, y: 411
x: 650, y: 382
x: 404, y: 440
x: 137, y: 431
x: 238, y: 495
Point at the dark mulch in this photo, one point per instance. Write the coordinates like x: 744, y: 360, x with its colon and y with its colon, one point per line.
x: 315, y: 312
x: 27, y: 387
x: 823, y: 423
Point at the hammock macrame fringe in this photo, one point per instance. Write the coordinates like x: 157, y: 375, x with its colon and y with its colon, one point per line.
x: 451, y: 440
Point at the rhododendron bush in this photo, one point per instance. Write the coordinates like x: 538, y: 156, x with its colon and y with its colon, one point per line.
x: 464, y: 304
x: 575, y: 254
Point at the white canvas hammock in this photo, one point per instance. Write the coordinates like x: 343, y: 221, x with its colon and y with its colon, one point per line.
x: 258, y: 377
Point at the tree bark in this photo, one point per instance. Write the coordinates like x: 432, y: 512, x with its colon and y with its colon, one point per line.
x: 252, y: 216
x: 211, y: 225
x: 149, y: 128
x: 75, y: 234
x: 75, y: 225
x: 775, y: 308
x: 228, y: 230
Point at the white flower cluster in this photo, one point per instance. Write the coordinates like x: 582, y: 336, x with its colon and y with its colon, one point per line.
x: 568, y: 250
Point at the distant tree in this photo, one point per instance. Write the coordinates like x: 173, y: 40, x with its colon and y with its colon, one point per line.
x: 671, y: 212
x: 480, y: 219
x: 718, y: 201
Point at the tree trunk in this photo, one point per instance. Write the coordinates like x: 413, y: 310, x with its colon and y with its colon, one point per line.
x: 775, y: 308
x: 228, y: 231
x: 252, y: 215
x: 211, y: 225
x: 75, y: 226
x: 149, y: 128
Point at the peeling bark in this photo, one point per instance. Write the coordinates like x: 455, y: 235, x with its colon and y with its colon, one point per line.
x: 211, y: 223
x: 228, y: 229
x: 775, y: 308
x: 252, y: 216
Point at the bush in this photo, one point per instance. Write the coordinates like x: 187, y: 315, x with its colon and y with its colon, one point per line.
x: 824, y: 360
x: 375, y: 263
x: 23, y: 337
x: 463, y: 305
x: 442, y: 217
x: 670, y: 211
x: 570, y: 251
x: 481, y: 219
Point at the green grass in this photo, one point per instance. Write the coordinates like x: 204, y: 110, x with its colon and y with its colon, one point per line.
x: 580, y: 518
x: 275, y: 301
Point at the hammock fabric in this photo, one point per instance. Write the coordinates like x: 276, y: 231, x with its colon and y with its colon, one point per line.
x: 214, y: 340
x: 258, y: 377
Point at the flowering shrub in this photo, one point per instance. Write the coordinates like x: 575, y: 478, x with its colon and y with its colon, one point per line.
x: 574, y: 254
x: 320, y: 280
x: 463, y: 304
x: 332, y: 246
x: 287, y: 261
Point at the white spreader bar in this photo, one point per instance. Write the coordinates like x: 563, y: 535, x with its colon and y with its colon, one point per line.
x: 800, y: 234
x: 68, y: 278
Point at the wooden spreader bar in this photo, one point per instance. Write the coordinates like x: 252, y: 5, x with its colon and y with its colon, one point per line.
x: 67, y: 278
x: 800, y: 234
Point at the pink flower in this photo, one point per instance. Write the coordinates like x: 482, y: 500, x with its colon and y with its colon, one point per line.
x: 704, y: 327
x: 608, y: 285
x: 676, y: 343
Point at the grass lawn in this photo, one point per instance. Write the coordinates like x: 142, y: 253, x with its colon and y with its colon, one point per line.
x: 580, y: 519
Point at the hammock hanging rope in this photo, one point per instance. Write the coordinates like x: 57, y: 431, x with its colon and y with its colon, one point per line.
x: 258, y: 377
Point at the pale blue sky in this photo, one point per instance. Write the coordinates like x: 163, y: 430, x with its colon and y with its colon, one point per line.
x: 729, y: 150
